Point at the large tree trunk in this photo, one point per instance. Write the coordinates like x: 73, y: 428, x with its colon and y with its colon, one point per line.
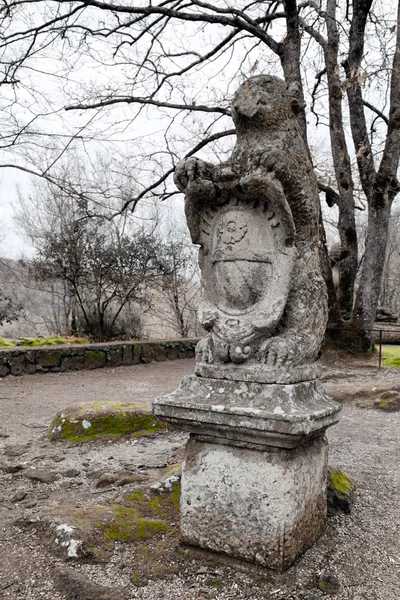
x: 341, y: 162
x: 380, y: 187
x: 372, y: 268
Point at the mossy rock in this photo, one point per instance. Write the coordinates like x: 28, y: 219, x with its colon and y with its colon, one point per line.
x: 147, y: 522
x: 51, y: 358
x: 95, y: 359
x: 389, y: 401
x: 340, y: 492
x: 85, y: 421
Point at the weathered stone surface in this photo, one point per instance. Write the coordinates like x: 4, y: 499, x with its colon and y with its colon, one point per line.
x: 19, y: 496
x: 73, y: 363
x: 95, y: 359
x: 172, y: 353
x: 18, y: 364
x: 278, y: 415
x: 340, y: 492
x: 114, y: 357
x: 261, y: 506
x: 328, y: 582
x: 42, y: 475
x: 4, y: 369
x: 49, y: 358
x: 12, y: 468
x: 254, y: 477
x: 77, y: 357
x: 389, y: 401
x: 256, y: 221
x: 75, y: 586
x: 15, y: 449
x: 127, y: 355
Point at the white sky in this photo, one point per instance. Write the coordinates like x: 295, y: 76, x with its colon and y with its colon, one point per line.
x: 119, y: 123
x: 12, y: 243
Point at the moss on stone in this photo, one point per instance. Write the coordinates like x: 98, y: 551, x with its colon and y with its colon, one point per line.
x: 94, y: 359
x: 7, y: 343
x: 340, y: 482
x: 37, y: 342
x: 340, y: 492
x: 84, y: 422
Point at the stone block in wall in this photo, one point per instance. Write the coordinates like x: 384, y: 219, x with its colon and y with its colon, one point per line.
x: 171, y: 352
x: 127, y: 354
x: 4, y: 368
x: 73, y: 362
x: 17, y: 364
x: 114, y: 357
x: 94, y: 359
x: 147, y: 353
x: 182, y: 352
x: 136, y: 353
x: 159, y: 352
x: 48, y: 359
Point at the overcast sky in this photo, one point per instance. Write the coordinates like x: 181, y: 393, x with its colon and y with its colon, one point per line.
x: 12, y: 243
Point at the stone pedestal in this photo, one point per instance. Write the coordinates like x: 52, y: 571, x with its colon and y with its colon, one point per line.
x: 254, y: 476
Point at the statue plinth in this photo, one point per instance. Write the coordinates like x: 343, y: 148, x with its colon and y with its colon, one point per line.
x: 254, y: 476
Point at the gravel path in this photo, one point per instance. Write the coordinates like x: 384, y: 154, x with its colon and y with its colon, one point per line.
x: 363, y: 548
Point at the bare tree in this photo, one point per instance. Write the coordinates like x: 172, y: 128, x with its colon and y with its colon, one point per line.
x: 179, y: 289
x: 102, y: 265
x: 169, y: 55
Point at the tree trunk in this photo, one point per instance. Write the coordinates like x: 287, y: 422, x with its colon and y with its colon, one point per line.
x: 342, y: 166
x: 372, y: 268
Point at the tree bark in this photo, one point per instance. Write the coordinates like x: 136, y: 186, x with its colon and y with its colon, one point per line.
x: 381, y: 193
x: 342, y: 166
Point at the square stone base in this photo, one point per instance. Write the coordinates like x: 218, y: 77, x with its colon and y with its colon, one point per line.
x: 264, y: 505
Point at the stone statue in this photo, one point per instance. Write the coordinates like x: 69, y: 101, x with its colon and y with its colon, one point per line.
x: 255, y: 218
x: 254, y: 476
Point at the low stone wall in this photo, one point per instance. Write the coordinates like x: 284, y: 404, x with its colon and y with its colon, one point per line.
x: 20, y: 361
x: 390, y: 333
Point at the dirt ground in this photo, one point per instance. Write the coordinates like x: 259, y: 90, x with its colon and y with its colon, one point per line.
x: 361, y: 549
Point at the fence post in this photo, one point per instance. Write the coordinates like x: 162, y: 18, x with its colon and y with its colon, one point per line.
x: 380, y: 349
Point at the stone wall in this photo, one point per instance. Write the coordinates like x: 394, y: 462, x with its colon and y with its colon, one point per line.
x: 390, y: 333
x: 20, y: 361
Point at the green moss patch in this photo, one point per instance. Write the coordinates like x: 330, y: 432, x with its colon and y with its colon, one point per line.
x: 340, y: 491
x: 340, y: 482
x: 83, y: 422
x: 147, y: 522
x: 6, y: 343
x: 37, y: 342
x: 389, y: 401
